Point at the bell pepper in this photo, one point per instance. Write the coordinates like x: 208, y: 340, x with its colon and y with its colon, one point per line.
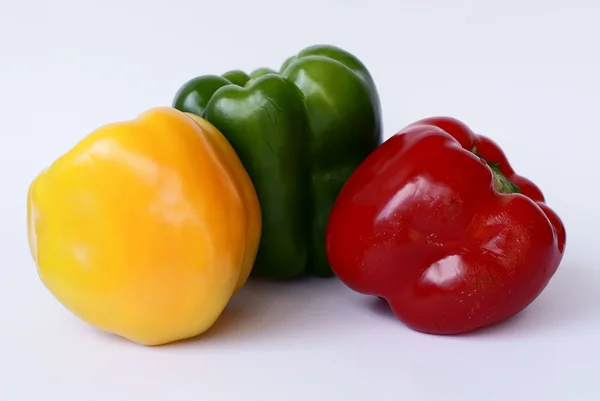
x: 145, y: 228
x: 299, y: 132
x: 438, y: 224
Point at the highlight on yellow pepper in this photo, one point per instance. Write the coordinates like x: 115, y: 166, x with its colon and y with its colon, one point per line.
x: 146, y: 228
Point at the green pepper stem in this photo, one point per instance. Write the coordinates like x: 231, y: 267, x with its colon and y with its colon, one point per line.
x: 501, y: 183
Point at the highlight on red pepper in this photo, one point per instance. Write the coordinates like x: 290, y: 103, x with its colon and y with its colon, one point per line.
x: 437, y: 223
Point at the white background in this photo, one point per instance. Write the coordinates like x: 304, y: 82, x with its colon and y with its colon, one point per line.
x: 524, y: 72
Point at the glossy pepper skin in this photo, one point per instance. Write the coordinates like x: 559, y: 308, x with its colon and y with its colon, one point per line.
x: 437, y: 223
x: 300, y: 133
x: 146, y: 228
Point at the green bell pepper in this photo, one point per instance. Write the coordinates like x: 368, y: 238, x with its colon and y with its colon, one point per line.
x: 300, y: 133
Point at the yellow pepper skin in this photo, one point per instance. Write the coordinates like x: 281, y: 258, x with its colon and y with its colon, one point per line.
x: 146, y: 228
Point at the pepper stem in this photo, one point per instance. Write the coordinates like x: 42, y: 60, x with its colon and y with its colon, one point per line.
x: 501, y: 183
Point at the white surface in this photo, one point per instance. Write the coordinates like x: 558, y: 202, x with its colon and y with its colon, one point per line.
x: 525, y: 73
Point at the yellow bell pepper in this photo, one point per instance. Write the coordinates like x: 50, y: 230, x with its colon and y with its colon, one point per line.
x: 146, y: 228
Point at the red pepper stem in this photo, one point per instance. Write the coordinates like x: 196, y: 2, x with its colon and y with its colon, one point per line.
x: 501, y: 183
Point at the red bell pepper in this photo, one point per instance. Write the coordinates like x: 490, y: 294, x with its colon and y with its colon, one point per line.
x: 436, y: 222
